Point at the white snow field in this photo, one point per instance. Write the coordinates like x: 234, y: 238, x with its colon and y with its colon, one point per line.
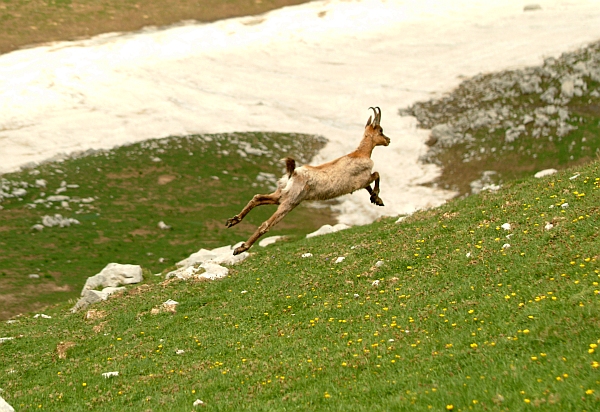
x: 314, y: 68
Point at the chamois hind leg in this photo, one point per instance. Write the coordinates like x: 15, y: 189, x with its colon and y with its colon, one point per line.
x: 279, y: 214
x: 375, y: 199
x: 257, y: 200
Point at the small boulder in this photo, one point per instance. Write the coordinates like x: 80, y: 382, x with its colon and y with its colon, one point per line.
x: 114, y: 274
x: 326, y: 229
x: 5, y: 407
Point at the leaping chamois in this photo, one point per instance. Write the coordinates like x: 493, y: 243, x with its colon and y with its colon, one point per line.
x: 327, y: 181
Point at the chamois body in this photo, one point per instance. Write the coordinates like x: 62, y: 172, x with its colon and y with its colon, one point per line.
x: 327, y: 181
x: 330, y: 180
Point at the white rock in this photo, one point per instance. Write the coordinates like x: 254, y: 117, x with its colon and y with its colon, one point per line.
x: 379, y: 263
x: 575, y: 176
x: 61, y: 198
x: 5, y: 339
x: 307, y: 255
x: 107, y: 375
x: 198, y: 402
x: 564, y: 205
x: 183, y: 273
x: 505, y: 246
x: 401, y: 219
x: 42, y: 315
x: 4, y: 406
x: 179, y: 352
x: 58, y: 220
x: 222, y: 255
x: 506, y: 226
x: 33, y: 276
x: 269, y: 240
x: 545, y: 172
x: 114, y: 274
x: 567, y: 88
x: 326, y: 229
x: 340, y: 259
x: 89, y: 297
x: 548, y: 226
x: 163, y: 226
x: 213, y: 271
x: 170, y: 302
x: 375, y: 283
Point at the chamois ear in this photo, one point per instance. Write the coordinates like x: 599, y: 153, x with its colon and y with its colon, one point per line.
x: 368, y: 121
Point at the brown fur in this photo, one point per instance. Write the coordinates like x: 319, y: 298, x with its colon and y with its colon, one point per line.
x: 327, y: 181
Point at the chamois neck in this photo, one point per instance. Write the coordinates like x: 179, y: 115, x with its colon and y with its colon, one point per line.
x: 364, y: 149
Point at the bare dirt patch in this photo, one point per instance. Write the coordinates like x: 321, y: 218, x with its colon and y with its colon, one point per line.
x: 164, y: 179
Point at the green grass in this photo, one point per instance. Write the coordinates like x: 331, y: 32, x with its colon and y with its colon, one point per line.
x: 199, y: 182
x: 457, y: 321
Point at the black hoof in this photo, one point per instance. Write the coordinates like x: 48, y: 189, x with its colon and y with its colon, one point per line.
x: 233, y: 221
x: 377, y: 201
x: 240, y: 249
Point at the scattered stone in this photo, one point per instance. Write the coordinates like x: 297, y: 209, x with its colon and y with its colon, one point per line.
x: 33, y: 276
x: 5, y: 339
x: 89, y: 297
x: 113, y: 275
x: 326, y: 229
x: 340, y: 259
x: 41, y: 315
x: 548, y: 226
x: 506, y: 226
x: 58, y: 220
x: 307, y: 255
x: 269, y: 240
x: 61, y: 198
x: 544, y: 173
x: 222, y: 255
x: 4, y: 406
x: 375, y: 283
x: 163, y: 226
x: 198, y: 402
x: 379, y: 263
x: 107, y: 375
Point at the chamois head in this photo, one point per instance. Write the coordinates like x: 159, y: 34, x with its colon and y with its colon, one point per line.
x: 374, y: 131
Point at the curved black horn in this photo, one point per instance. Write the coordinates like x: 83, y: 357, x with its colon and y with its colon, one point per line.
x: 377, y: 118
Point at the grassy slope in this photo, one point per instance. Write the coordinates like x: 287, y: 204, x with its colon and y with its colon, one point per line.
x: 132, y: 194
x: 456, y: 322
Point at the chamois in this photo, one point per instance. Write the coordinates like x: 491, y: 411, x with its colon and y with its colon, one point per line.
x: 327, y: 181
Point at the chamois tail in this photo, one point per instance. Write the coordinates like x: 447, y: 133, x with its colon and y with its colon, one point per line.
x: 290, y: 165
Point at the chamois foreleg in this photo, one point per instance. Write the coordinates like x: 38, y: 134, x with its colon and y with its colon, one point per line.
x: 257, y: 200
x: 374, y: 192
x: 279, y: 214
